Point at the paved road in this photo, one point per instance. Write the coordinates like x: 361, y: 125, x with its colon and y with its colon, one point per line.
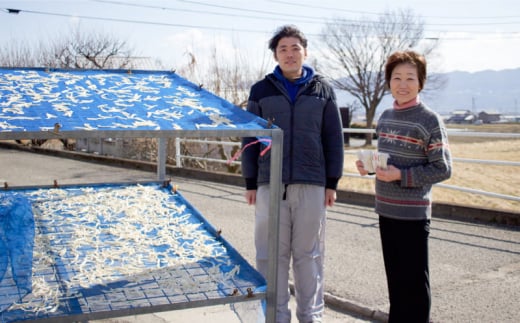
x: 475, y: 268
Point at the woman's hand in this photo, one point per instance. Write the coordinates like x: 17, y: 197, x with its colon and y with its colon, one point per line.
x: 361, y: 169
x: 390, y: 174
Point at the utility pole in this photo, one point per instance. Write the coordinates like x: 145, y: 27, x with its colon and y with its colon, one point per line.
x: 517, y: 117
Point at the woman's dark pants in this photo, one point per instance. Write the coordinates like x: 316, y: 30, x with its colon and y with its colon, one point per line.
x: 405, y: 253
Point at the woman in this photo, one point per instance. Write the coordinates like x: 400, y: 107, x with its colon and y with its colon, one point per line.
x: 415, y: 138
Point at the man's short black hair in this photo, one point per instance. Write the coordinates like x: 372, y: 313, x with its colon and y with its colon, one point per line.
x: 287, y: 31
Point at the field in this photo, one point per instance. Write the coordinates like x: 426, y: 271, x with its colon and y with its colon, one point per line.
x: 501, y: 179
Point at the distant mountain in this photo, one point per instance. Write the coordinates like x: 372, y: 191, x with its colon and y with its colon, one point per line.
x: 491, y: 91
x: 497, y: 91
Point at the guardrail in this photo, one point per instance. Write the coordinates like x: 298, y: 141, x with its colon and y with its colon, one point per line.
x: 452, y: 133
x: 179, y: 157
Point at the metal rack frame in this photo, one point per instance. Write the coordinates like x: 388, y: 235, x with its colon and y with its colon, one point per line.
x: 276, y: 136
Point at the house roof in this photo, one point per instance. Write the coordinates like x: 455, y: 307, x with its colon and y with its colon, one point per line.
x: 460, y: 112
x: 37, y: 102
x: 489, y: 112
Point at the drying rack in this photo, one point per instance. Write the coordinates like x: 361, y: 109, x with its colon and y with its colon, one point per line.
x: 57, y: 104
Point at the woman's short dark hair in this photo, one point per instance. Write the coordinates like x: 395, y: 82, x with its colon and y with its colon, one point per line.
x: 407, y: 56
x: 287, y: 31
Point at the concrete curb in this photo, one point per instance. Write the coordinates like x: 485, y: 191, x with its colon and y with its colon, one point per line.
x: 349, y: 307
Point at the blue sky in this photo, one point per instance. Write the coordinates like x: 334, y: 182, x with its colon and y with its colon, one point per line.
x: 475, y: 35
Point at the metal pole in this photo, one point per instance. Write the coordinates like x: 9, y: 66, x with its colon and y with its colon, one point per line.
x: 275, y: 183
x: 178, y: 152
x: 161, y: 158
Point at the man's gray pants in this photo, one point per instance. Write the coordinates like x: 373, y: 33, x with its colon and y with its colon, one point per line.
x: 302, y: 236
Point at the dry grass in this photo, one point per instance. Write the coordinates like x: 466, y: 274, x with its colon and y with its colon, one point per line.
x: 490, y: 178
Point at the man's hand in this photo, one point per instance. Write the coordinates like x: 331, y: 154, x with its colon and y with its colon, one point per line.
x: 330, y: 197
x: 250, y: 196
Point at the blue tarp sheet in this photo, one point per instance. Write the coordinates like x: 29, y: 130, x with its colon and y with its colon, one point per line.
x: 16, y: 248
x: 35, y: 100
x: 112, y: 247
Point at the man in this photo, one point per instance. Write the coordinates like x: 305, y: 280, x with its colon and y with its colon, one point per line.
x: 303, y: 105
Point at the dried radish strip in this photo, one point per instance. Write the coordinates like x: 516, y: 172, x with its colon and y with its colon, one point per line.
x: 133, y: 234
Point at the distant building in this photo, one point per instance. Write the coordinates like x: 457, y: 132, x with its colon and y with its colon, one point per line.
x: 510, y: 118
x: 489, y: 117
x: 462, y: 117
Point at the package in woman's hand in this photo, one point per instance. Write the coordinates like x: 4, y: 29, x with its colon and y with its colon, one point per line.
x: 372, y: 159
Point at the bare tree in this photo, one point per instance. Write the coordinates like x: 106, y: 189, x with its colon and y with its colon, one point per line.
x: 77, y: 49
x: 356, y: 52
x: 95, y: 50
x: 229, y: 77
x: 17, y: 54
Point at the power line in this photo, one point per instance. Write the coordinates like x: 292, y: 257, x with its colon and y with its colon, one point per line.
x: 299, y: 17
x: 132, y: 21
x: 298, y: 4
x: 203, y: 3
x: 281, y: 16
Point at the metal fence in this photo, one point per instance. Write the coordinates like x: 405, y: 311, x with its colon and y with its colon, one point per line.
x: 451, y: 133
